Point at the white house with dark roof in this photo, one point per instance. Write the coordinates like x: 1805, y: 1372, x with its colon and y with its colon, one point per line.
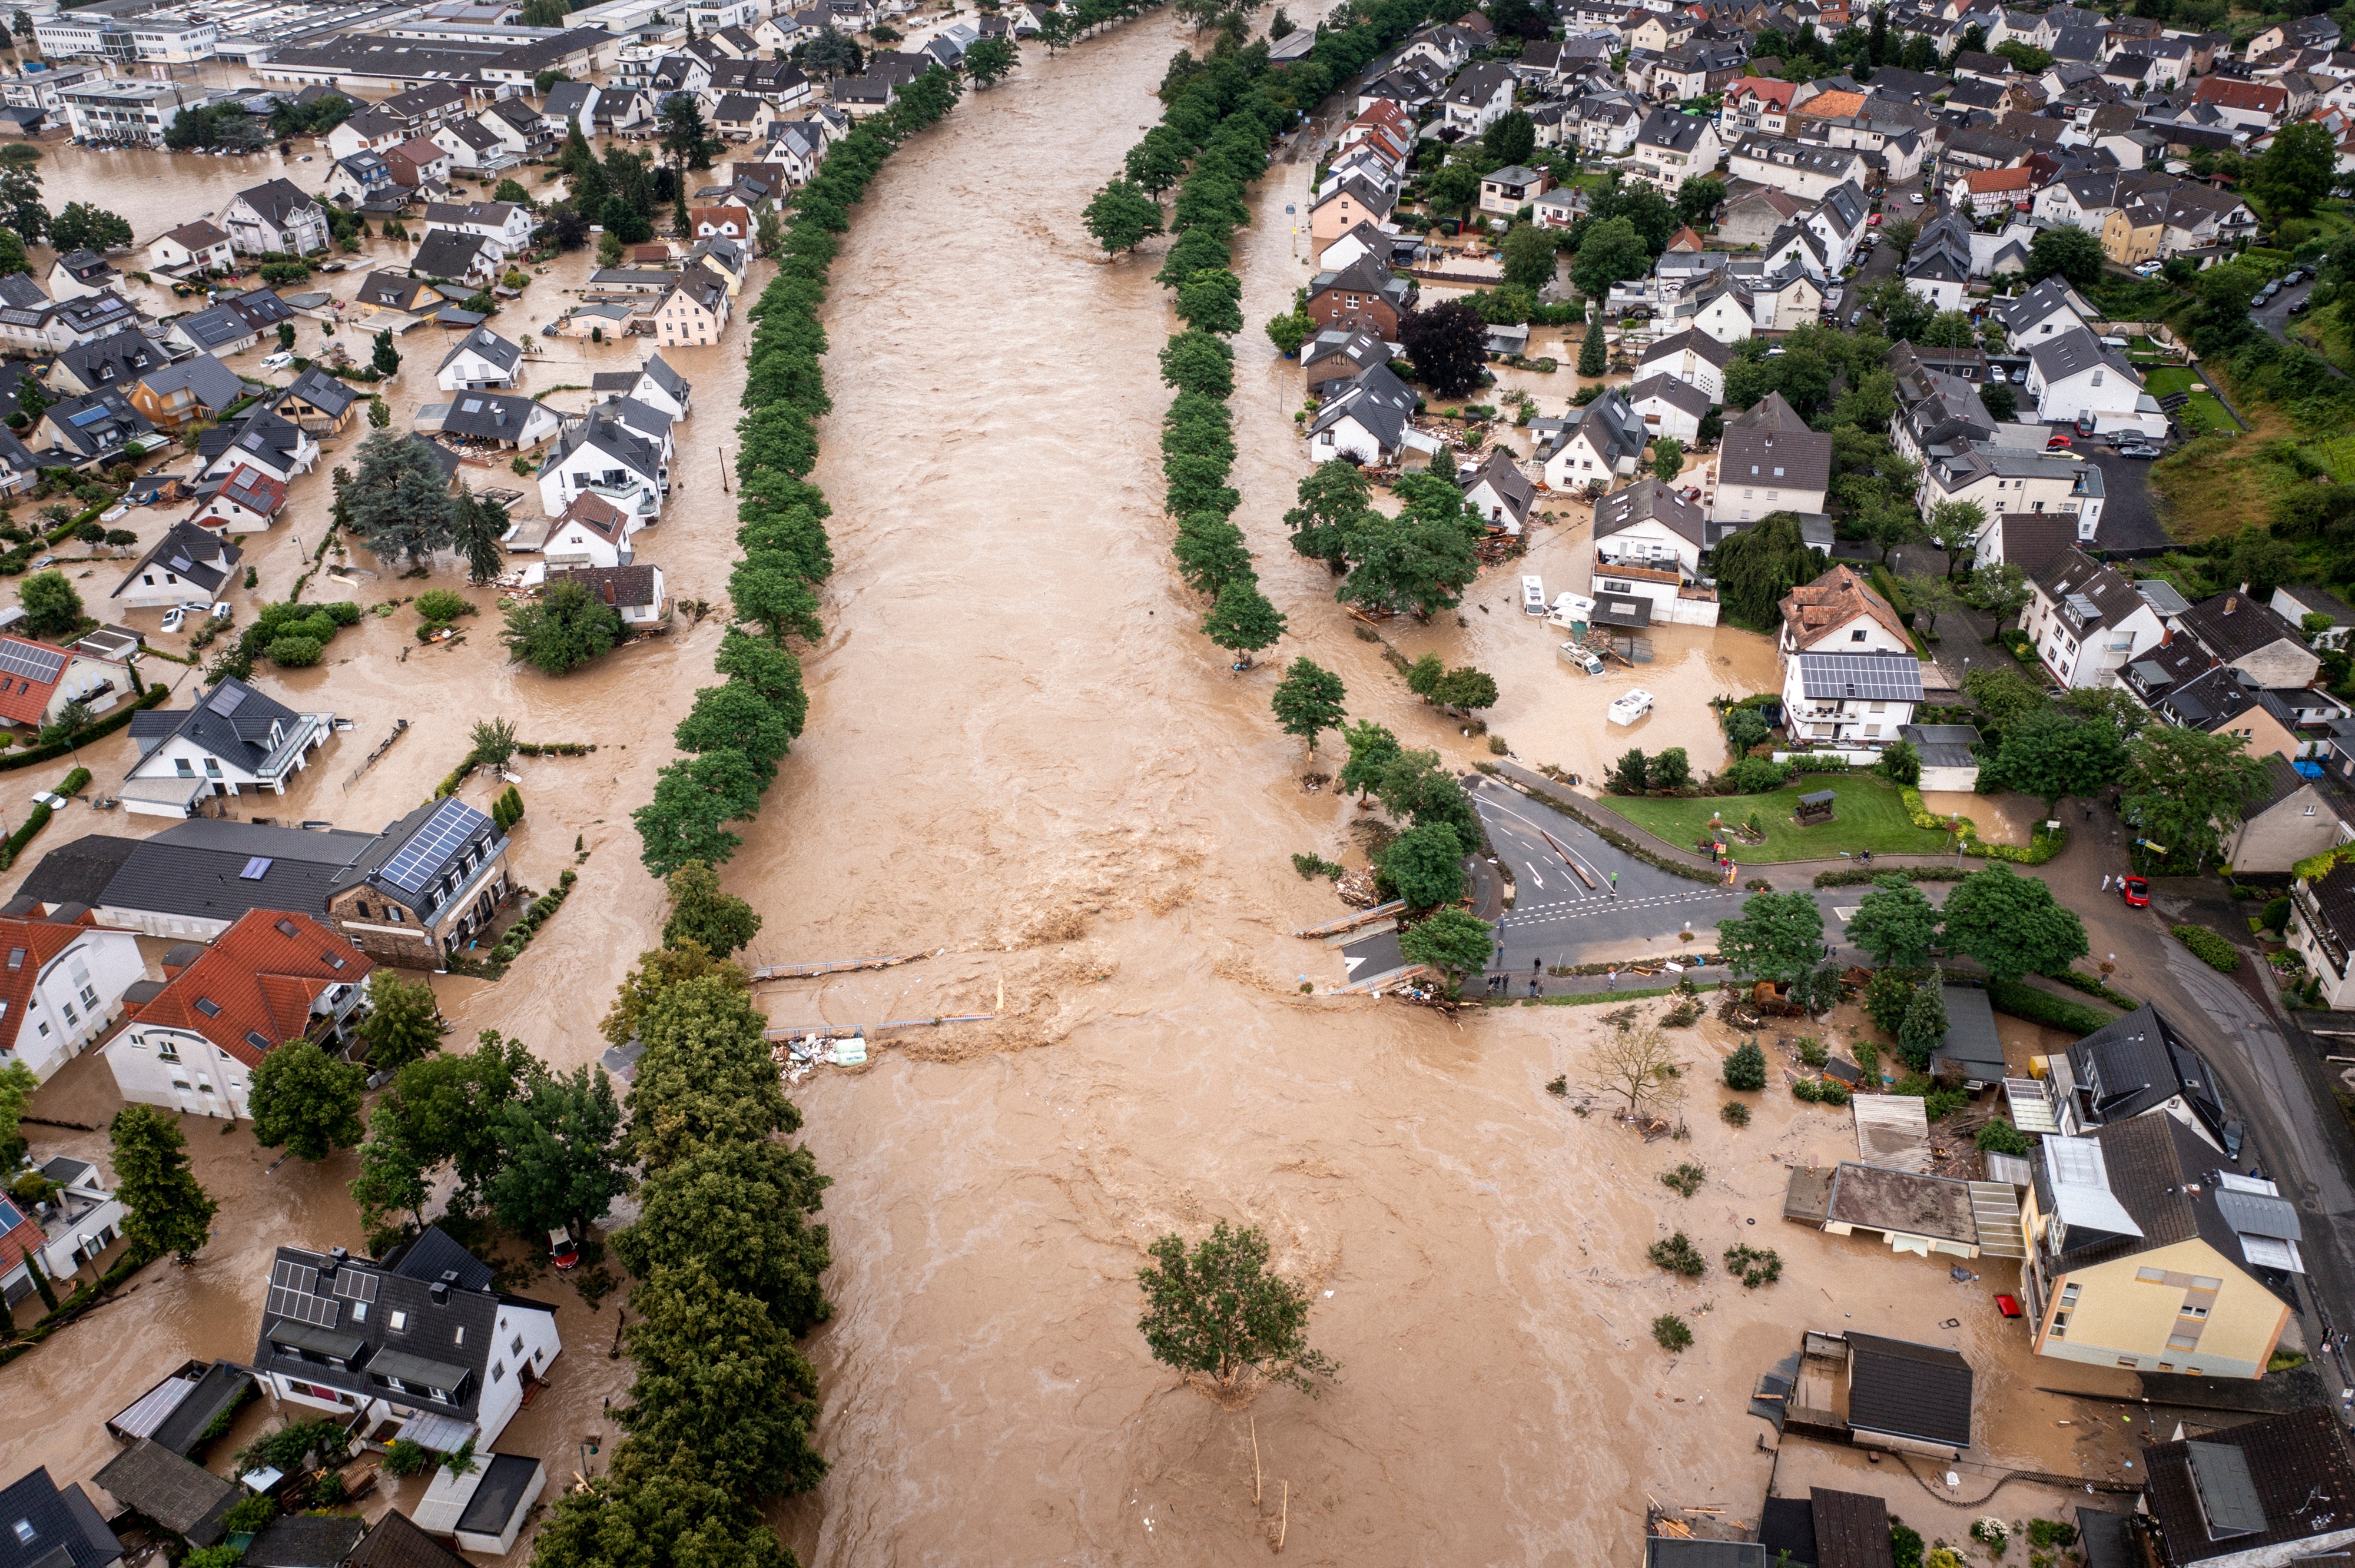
x: 1769, y: 460
x: 54, y: 1527
x: 453, y: 256
x: 421, y: 1338
x: 2049, y: 310
x: 1850, y: 699
x: 1694, y: 357
x: 187, y: 563
x: 1602, y: 443
x: 1500, y: 493
x: 1670, y: 408
x: 2087, y: 621
x: 275, y: 217
x: 506, y: 421
x: 277, y: 446
x: 1650, y: 525
x: 1671, y: 148
x: 602, y: 456
x: 2296, y: 601
x: 1478, y: 98
x: 232, y: 741
x: 2000, y: 478
x: 2075, y: 379
x: 1370, y: 420
x: 479, y: 361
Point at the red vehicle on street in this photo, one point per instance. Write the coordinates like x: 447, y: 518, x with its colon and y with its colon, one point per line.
x: 2135, y: 891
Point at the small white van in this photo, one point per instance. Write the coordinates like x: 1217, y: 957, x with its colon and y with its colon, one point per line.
x: 1533, y: 598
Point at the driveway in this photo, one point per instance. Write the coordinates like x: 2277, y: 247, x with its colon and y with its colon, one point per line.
x: 2129, y: 515
x: 2274, y: 316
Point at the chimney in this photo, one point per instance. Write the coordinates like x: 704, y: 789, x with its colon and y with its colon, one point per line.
x: 440, y: 1291
x: 2233, y: 601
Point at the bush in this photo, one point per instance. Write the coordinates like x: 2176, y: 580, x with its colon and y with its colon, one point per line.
x: 295, y: 652
x: 1310, y: 866
x: 1905, y: 1545
x: 2277, y: 915
x: 442, y: 605
x: 405, y: 1457
x: 250, y: 1514
x: 2002, y: 1137
x: 1939, y: 1104
x: 1831, y: 1092
x: 1754, y: 1266
x: 1669, y: 1332
x: 1733, y: 1113
x: 2209, y: 948
x: 2051, y: 1532
x: 1684, y: 1180
x: 1754, y: 776
x: 2024, y: 1000
x: 1678, y: 1255
x: 1746, y: 1068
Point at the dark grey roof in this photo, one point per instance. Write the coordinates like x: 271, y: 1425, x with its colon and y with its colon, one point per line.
x: 498, y: 1497
x: 447, y: 253
x: 1671, y: 1552
x: 2137, y: 1063
x: 1772, y: 457
x: 1907, y: 1390
x: 77, y: 873
x: 608, y: 435
x: 1850, y: 1530
x: 441, y: 842
x: 1375, y: 399
x: 2313, y: 601
x: 1718, y: 354
x: 1340, y: 353
x: 197, y: 868
x: 215, y: 328
x: 188, y: 551
x: 184, y: 1499
x: 395, y: 1541
x: 1942, y: 744
x: 320, y: 389
x: 1649, y: 499
x: 433, y: 1255
x: 2032, y: 540
x: 1682, y: 396
x: 61, y: 1517
x: 1667, y: 128
x: 664, y: 376
x: 2234, y: 625
x: 116, y: 359
x: 491, y: 416
x: 1971, y: 1047
x: 306, y: 1541
x: 214, y: 385
x: 488, y: 344
x: 278, y: 201
x: 2075, y: 575
x: 223, y: 1385
x: 2075, y: 351
x: 2290, y: 1478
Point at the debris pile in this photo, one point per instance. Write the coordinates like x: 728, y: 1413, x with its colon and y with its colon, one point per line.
x: 1357, y: 888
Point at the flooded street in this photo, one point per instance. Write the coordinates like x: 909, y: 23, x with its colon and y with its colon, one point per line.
x: 1020, y: 753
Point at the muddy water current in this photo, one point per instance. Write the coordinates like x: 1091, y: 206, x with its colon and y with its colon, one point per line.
x: 1022, y: 760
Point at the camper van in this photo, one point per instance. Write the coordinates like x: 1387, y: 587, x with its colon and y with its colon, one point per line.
x: 1533, y: 598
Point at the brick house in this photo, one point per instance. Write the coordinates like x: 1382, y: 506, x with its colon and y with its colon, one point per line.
x: 427, y: 885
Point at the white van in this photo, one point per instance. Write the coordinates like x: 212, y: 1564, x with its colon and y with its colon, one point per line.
x: 1533, y: 598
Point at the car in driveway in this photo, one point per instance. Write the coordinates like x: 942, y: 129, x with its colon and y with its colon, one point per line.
x: 2299, y: 307
x: 2058, y: 443
x: 1915, y: 198
x: 2135, y: 891
x: 2138, y: 450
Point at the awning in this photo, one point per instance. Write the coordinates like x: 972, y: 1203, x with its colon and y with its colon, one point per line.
x: 164, y: 797
x: 441, y: 1433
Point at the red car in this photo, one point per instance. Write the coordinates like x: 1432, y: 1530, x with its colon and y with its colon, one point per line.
x: 2135, y: 891
x: 2057, y: 442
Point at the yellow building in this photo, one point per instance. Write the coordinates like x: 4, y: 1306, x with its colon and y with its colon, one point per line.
x: 2131, y: 234
x: 2143, y: 1253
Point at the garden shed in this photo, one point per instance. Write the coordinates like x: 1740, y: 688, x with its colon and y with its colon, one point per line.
x: 1815, y: 806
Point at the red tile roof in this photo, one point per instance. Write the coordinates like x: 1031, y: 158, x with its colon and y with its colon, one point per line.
x: 2230, y: 94
x: 24, y: 947
x: 18, y: 1239
x: 1821, y: 608
x: 1767, y: 89
x: 256, y: 979
x: 23, y: 697
x: 1999, y: 179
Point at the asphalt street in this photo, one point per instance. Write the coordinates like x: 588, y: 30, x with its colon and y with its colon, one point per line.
x: 2275, y: 317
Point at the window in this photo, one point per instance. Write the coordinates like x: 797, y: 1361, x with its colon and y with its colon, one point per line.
x: 399, y: 1322
x: 167, y: 1052
x: 89, y: 993
x: 458, y: 1338
x: 498, y: 1372
x: 25, y: 1533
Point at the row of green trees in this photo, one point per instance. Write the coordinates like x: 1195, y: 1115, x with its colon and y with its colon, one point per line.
x: 727, y: 1262
x: 736, y: 733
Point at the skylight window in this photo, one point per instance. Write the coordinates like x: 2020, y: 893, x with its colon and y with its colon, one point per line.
x: 208, y: 1007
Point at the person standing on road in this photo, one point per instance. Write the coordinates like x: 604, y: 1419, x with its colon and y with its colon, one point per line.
x: 1614, y: 882
x: 1611, y: 979
x: 2105, y: 882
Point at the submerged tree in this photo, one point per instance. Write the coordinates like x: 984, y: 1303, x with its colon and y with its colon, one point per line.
x: 1219, y: 1311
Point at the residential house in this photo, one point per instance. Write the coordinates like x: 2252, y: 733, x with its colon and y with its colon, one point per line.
x: 522, y: 131
x: 97, y: 429
x: 191, y: 249
x: 2184, y: 684
x: 2048, y: 311
x: 635, y: 592
x: 312, y: 1539
x: 2145, y: 1256
x: 417, y: 164
x: 2087, y: 621
x: 362, y: 179
x: 1672, y: 147
x: 481, y: 359
x: 395, y: 293
x: 1768, y: 461
x: 59, y: 1235
x: 1364, y: 295
x: 215, y: 330
x: 1507, y: 190
x: 1350, y: 201
x: 173, y: 396
x: 1839, y: 613
x: 1757, y: 214
x: 66, y: 978
x: 1755, y: 105
x: 248, y: 501
x: 261, y: 439
x: 473, y: 148
x: 77, y: 274
x: 2296, y: 602
x: 1693, y: 357
x: 1840, y: 698
x: 236, y: 741
x: 1500, y: 493
x: 2028, y: 540
x: 448, y: 256
x: 569, y: 103
x: 1650, y: 525
x: 32, y: 323
x: 272, y: 978
x: 592, y: 532
x: 1985, y: 191
x: 506, y: 422
x: 1601, y: 443
x: 724, y: 222
x: 601, y: 454
x: 186, y: 564
x: 117, y: 360
x: 275, y: 217
x: 2322, y: 929
x: 2000, y: 478
x: 1801, y: 169
x: 395, y: 1541
x: 1369, y: 422
x: 2254, y: 639
x: 2290, y: 820
x: 39, y: 680
x: 484, y: 1509
x: 2251, y: 1494
x: 1720, y: 307
x: 654, y: 384
x: 316, y: 403
x: 694, y: 311
x: 1479, y: 95
x: 1336, y: 356
x: 419, y: 1334
x: 2239, y: 102
x: 506, y: 225
x: 424, y: 887
x: 2075, y: 379
x: 1670, y: 408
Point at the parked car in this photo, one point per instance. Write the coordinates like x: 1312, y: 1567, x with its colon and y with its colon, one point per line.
x: 1874, y: 222
x: 2149, y: 269
x: 1998, y: 374
x: 175, y: 618
x: 2058, y: 441
x: 2138, y: 450
x: 2135, y: 891
x: 1915, y: 198
x: 278, y: 361
x: 2300, y: 307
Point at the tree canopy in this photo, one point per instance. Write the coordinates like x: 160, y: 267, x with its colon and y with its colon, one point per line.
x: 1778, y: 936
x: 306, y: 1101
x: 1219, y: 1310
x: 2011, y: 924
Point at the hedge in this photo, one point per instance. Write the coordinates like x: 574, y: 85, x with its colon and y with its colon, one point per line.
x: 2024, y: 1000
x: 1860, y: 876
x: 2209, y: 948
x: 83, y: 737
x: 2092, y: 987
x: 2043, y: 845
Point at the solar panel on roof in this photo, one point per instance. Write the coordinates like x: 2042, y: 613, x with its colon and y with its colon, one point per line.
x: 432, y: 846
x: 292, y: 1287
x: 227, y: 700
x: 31, y: 660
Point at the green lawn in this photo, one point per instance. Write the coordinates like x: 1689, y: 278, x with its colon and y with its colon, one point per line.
x: 2203, y: 413
x: 1869, y: 816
